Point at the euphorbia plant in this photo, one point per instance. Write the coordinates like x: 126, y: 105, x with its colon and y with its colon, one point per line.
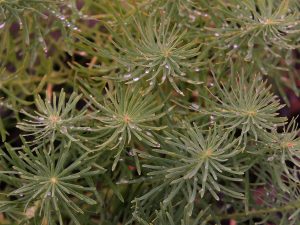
x: 165, y: 112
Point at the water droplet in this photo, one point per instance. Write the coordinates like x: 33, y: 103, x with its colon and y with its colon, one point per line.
x: 217, y: 34
x: 192, y: 17
x: 197, y: 69
x: 64, y: 130
x: 198, y: 13
x: 45, y: 49
x: 163, y: 78
x: 76, y: 28
x: 136, y: 79
x: 21, y: 25
x: 131, y: 153
x: 167, y: 66
x: 195, y: 106
x: 61, y: 17
x: 147, y: 71
x: 235, y: 46
x: 149, y: 134
x: 2, y: 25
x: 126, y: 76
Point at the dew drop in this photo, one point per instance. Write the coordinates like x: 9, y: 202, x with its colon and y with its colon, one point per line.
x: 180, y: 92
x: 45, y: 49
x: 131, y: 153
x: 76, y: 29
x: 217, y: 34
x: 271, y: 158
x: 195, y: 106
x: 136, y: 79
x: 163, y: 78
x: 149, y: 134
x: 192, y: 18
x: 2, y: 25
x: 198, y: 13
x: 235, y: 46
x: 64, y: 130
x: 126, y: 76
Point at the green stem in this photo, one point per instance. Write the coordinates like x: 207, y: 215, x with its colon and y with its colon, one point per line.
x: 285, y: 208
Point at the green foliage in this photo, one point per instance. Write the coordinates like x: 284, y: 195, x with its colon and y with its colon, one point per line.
x: 247, y: 105
x: 194, y: 162
x: 54, y: 120
x: 284, y: 148
x: 158, y: 52
x: 167, y: 216
x: 125, y: 114
x: 28, y: 13
x: 254, y: 22
x: 46, y: 183
x: 149, y: 112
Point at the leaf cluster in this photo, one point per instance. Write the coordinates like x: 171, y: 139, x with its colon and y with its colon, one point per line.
x: 165, y: 112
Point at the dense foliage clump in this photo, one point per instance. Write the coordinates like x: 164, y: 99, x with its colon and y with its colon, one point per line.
x: 149, y: 112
